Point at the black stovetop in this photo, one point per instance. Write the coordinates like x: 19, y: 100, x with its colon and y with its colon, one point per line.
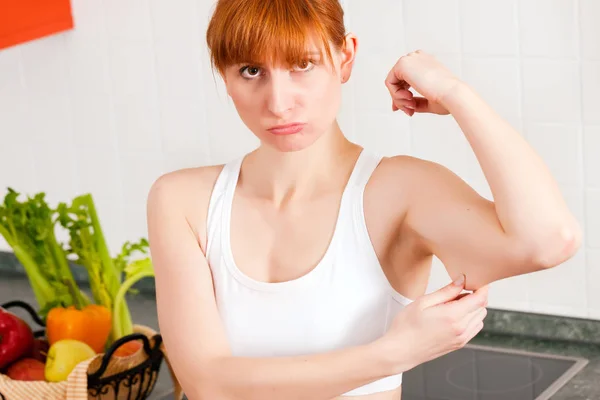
x: 485, y: 373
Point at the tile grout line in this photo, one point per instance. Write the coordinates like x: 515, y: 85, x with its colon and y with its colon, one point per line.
x: 521, y: 96
x: 582, y: 158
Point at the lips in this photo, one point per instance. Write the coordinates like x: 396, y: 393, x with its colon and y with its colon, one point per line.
x: 287, y: 129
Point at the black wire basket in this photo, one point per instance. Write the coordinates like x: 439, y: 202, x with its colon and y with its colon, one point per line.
x: 135, y: 382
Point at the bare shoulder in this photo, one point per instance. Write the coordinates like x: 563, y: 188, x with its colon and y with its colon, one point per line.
x: 409, y: 178
x: 412, y: 169
x: 188, y: 191
x: 397, y: 178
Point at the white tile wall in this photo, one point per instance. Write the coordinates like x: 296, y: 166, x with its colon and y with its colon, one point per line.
x: 551, y: 90
x: 590, y: 40
x: 129, y: 95
x: 591, y: 87
x: 481, y: 22
x: 548, y: 28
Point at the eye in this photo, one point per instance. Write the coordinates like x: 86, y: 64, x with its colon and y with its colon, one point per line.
x: 304, y: 66
x: 249, y: 72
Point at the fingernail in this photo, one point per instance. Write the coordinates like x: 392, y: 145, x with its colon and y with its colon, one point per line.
x: 460, y: 280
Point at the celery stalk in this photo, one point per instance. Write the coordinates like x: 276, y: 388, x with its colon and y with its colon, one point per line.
x: 105, y: 273
x: 134, y: 272
x: 28, y: 228
x: 41, y: 288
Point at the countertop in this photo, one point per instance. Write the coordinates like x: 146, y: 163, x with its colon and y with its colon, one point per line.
x: 584, y: 386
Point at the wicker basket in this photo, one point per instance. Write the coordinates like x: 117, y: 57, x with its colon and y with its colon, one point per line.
x: 102, y: 377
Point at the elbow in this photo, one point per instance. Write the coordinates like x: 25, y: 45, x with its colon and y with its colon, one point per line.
x: 202, y: 384
x: 209, y: 384
x: 556, y: 248
x: 203, y: 389
x: 207, y: 388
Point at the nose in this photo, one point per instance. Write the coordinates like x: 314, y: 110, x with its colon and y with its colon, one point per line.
x: 280, y: 96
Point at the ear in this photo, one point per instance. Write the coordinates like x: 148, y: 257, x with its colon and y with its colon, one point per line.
x: 348, y: 55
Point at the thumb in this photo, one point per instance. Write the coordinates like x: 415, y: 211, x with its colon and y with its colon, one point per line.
x: 423, y: 105
x: 445, y: 294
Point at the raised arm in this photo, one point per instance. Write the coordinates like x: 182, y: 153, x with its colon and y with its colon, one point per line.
x: 527, y: 228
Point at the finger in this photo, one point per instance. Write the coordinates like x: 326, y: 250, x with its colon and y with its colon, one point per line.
x: 460, y: 296
x: 410, y: 104
x: 474, y: 327
x: 470, y: 326
x: 395, y: 83
x: 474, y: 316
x: 469, y: 303
x: 425, y: 106
x: 443, y: 295
x: 421, y: 104
x: 403, y: 94
x: 408, y: 111
x: 391, y: 81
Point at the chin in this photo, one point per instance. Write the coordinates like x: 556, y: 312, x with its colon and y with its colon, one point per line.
x: 290, y: 143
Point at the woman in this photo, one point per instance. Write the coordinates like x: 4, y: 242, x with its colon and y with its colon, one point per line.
x: 298, y: 271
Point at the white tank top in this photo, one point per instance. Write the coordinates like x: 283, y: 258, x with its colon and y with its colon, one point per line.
x: 346, y: 300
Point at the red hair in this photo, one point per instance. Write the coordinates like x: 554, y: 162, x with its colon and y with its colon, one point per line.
x: 260, y: 31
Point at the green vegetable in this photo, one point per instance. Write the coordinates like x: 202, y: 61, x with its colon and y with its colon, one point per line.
x: 29, y: 229
x: 134, y: 271
x: 88, y: 245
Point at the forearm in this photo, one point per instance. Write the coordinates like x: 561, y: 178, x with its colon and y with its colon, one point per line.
x: 529, y: 204
x: 322, y: 376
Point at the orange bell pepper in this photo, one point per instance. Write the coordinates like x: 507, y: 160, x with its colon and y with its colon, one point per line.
x: 91, y: 324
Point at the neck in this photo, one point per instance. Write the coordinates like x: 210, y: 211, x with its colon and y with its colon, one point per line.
x: 283, y: 176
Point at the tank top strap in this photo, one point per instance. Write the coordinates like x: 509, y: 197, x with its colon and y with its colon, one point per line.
x: 351, y: 211
x: 218, y: 204
x: 365, y: 166
x: 232, y: 175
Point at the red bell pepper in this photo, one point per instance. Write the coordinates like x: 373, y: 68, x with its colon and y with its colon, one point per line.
x: 16, y: 338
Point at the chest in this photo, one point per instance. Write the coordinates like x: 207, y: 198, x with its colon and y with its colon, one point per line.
x: 278, y: 245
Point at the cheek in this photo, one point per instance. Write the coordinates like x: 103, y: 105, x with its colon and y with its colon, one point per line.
x: 240, y: 98
x: 328, y: 97
x: 245, y: 104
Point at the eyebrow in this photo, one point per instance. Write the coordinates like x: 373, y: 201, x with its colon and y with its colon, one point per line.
x: 261, y: 64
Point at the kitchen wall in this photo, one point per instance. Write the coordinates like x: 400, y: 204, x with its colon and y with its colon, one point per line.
x: 129, y: 95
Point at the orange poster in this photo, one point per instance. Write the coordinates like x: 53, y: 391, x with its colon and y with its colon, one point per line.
x: 24, y: 20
